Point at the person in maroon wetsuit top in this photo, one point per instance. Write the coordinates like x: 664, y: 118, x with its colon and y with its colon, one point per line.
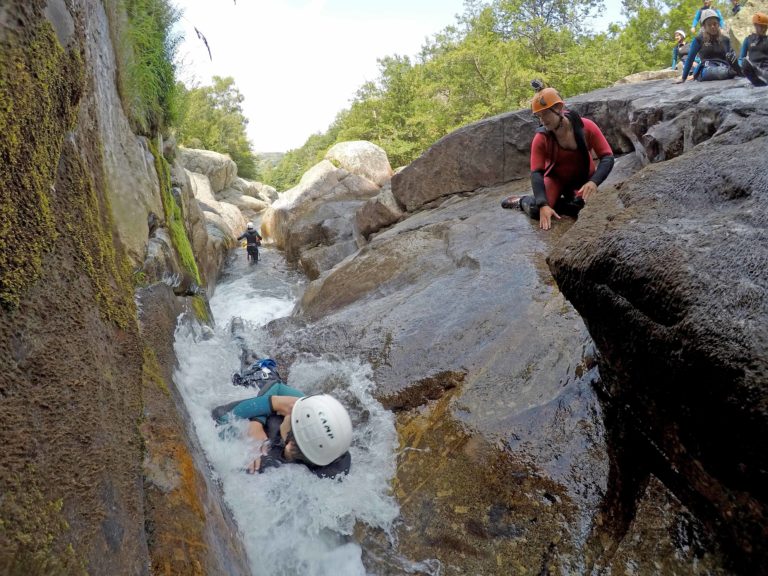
x: 563, y: 173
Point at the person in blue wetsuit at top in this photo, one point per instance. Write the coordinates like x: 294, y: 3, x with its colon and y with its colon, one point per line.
x: 698, y: 18
x: 754, y: 52
x: 718, y: 61
x: 312, y: 430
x: 253, y: 241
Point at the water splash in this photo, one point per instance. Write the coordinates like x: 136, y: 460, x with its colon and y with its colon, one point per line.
x: 291, y: 521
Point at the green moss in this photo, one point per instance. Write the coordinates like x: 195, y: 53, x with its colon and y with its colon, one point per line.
x: 34, y: 532
x: 201, y: 309
x: 151, y: 371
x: 174, y: 218
x: 89, y: 224
x: 40, y: 87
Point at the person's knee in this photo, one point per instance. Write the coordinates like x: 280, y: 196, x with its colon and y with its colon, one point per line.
x: 529, y: 206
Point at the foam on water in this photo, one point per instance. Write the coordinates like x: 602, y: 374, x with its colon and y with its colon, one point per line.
x: 291, y: 521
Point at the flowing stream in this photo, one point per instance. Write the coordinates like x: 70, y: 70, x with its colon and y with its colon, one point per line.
x: 291, y: 521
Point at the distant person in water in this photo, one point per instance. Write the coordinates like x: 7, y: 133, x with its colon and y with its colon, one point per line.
x: 253, y: 241
x: 563, y: 173
x: 754, y: 52
x: 288, y: 426
x: 713, y: 48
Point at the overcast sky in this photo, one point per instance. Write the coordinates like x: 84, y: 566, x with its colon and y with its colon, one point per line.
x: 299, y: 62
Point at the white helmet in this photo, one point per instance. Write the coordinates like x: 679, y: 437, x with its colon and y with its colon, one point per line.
x: 680, y: 32
x: 250, y: 226
x: 322, y: 428
x: 707, y: 14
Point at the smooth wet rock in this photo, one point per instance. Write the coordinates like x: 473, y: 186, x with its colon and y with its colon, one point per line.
x: 455, y: 309
x: 321, y: 258
x: 669, y: 275
x: 133, y: 188
x: 379, y: 212
x: 498, y: 146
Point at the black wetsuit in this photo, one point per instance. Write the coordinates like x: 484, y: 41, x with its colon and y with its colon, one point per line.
x: 714, y: 56
x: 253, y: 240
x: 754, y: 59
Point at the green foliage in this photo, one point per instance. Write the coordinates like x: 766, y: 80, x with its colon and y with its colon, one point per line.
x: 211, y: 117
x: 294, y: 163
x: 482, y: 66
x: 146, y: 47
x: 174, y: 218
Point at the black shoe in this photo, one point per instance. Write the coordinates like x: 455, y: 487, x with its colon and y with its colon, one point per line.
x: 511, y: 202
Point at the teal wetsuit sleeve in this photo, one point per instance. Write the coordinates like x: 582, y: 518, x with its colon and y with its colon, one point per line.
x: 260, y: 408
x: 744, y: 49
x: 722, y: 21
x: 696, y: 18
x: 692, y: 53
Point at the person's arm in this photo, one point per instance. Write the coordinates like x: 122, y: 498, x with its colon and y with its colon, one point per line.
x: 538, y: 165
x: 241, y: 237
x: 597, y: 142
x: 722, y: 21
x: 695, y: 21
x: 694, y: 50
x: 674, y: 57
x: 283, y: 405
x: 744, y: 50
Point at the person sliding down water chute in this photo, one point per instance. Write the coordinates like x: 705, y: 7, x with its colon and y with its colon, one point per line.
x: 754, y: 52
x: 718, y: 61
x: 563, y: 173
x: 253, y: 241
x: 290, y: 427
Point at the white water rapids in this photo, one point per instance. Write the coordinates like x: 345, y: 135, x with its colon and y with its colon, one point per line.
x: 292, y: 523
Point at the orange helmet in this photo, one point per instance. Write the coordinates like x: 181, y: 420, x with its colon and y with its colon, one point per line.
x: 760, y: 18
x: 545, y: 99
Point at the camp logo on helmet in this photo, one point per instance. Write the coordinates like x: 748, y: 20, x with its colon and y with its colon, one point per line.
x: 324, y: 422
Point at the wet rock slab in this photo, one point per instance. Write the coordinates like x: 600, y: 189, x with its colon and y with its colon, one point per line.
x: 669, y: 274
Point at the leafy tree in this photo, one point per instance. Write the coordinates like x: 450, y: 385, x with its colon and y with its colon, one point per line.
x: 145, y: 49
x: 482, y: 66
x: 541, y: 24
x: 211, y: 117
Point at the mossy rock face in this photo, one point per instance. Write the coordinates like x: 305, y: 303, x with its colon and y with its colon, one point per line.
x: 35, y: 524
x: 40, y: 87
x: 174, y: 219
